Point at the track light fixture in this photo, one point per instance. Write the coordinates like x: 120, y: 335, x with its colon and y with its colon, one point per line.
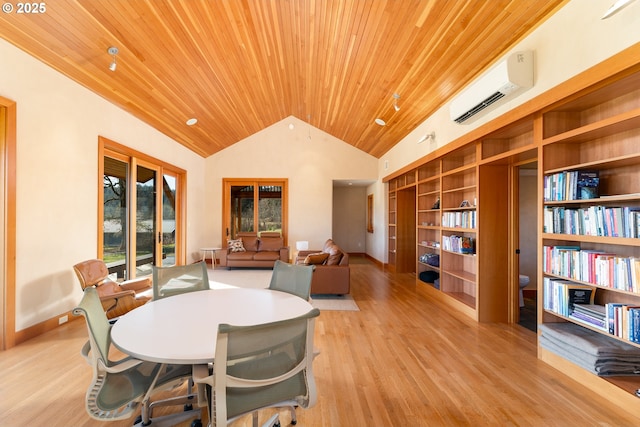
x: 113, y: 51
x: 616, y: 7
x: 395, y: 102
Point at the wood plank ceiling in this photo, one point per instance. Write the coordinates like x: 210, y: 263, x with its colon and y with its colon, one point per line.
x: 239, y: 66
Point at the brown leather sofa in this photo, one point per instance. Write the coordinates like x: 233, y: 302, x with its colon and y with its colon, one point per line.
x: 255, y: 251
x: 332, y: 273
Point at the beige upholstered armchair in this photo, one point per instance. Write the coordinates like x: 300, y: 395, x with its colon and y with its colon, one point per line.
x: 116, y: 298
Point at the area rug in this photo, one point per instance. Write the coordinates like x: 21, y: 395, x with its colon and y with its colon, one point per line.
x: 241, y: 278
x: 259, y: 278
x: 334, y: 303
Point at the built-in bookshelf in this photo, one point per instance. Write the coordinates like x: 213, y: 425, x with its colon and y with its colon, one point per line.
x: 428, y: 219
x: 393, y: 211
x: 589, y: 237
x: 585, y: 133
x: 402, y: 223
x: 458, y: 203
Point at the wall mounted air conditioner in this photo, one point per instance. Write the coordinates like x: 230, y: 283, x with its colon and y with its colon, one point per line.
x: 504, y: 79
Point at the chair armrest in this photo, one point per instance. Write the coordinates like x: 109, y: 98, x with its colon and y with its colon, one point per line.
x: 125, y: 302
x: 309, y: 252
x: 117, y: 295
x: 202, y: 377
x: 222, y: 257
x: 139, y: 284
x: 122, y: 365
x: 86, y: 348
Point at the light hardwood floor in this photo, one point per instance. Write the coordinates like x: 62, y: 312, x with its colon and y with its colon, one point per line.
x: 402, y: 360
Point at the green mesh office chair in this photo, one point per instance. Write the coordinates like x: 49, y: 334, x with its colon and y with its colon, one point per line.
x: 258, y: 367
x: 292, y: 278
x: 119, y: 387
x: 178, y: 279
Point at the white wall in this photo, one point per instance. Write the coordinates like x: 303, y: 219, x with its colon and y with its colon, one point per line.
x: 58, y: 124
x: 311, y: 165
x: 571, y: 41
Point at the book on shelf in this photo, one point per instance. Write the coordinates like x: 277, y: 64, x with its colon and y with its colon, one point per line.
x: 623, y: 321
x: 587, y: 184
x: 579, y: 294
x: 591, y: 314
x: 607, y: 221
x: 572, y: 185
x: 459, y: 244
x: 562, y: 296
x: 467, y: 245
x: 593, y: 267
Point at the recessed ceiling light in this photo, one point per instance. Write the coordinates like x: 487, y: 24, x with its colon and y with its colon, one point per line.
x: 380, y: 122
x: 192, y: 121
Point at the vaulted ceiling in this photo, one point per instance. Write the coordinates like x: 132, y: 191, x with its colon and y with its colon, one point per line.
x: 239, y: 66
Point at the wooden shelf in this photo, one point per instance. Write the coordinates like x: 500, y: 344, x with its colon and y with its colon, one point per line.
x: 578, y: 238
x: 463, y: 298
x: 597, y: 130
x: 462, y: 274
x: 624, y: 122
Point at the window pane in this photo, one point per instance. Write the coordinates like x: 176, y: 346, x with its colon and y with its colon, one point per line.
x: 241, y: 209
x: 145, y: 221
x: 114, y: 227
x: 270, y: 208
x: 168, y: 220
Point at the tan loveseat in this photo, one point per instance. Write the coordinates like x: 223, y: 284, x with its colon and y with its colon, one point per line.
x: 254, y: 251
x: 332, y: 274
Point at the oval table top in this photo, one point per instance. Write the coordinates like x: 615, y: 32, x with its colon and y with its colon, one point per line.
x: 182, y: 329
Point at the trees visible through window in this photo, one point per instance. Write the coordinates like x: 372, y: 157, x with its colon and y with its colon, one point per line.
x: 133, y: 214
x: 254, y: 206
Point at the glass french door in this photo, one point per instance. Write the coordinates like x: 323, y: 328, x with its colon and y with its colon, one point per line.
x: 141, y: 215
x: 147, y: 233
x: 254, y: 206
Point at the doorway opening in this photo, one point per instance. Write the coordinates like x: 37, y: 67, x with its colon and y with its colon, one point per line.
x: 526, y: 244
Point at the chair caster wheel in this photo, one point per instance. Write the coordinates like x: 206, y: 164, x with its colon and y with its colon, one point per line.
x: 138, y: 420
x: 188, y: 407
x: 196, y: 423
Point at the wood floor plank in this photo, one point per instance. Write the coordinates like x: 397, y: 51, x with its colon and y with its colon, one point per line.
x: 404, y: 359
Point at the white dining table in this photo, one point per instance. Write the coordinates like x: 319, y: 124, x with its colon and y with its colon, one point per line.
x: 182, y: 329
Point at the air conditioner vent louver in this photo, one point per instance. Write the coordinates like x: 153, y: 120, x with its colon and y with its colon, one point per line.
x: 507, y: 78
x: 481, y: 106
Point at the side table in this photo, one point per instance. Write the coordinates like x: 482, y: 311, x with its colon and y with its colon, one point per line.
x: 213, y: 255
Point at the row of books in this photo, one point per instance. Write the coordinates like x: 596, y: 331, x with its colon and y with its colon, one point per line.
x: 459, y: 244
x: 560, y: 296
x: 576, y: 302
x: 620, y: 320
x: 623, y: 321
x: 571, y: 185
x: 593, y: 266
x: 462, y: 219
x: 593, y: 221
x: 593, y: 315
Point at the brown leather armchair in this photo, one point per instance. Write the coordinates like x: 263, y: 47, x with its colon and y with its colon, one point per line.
x: 332, y: 273
x: 116, y: 298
